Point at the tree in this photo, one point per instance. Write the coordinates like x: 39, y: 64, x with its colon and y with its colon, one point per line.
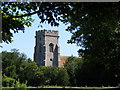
x: 55, y: 76
x: 32, y: 74
x: 13, y: 62
x: 8, y: 59
x: 72, y: 64
x: 93, y: 73
x: 17, y: 15
x: 96, y: 29
x: 11, y: 71
x: 17, y: 66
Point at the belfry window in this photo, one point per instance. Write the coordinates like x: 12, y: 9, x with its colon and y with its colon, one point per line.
x: 51, y: 46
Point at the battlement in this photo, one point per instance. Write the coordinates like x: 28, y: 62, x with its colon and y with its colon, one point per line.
x: 47, y: 32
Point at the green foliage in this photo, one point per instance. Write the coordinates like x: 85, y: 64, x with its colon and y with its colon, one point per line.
x: 8, y: 81
x: 84, y: 72
x: 9, y: 12
x: 17, y: 15
x: 92, y: 74
x: 44, y: 75
x: 95, y: 27
x: 71, y: 65
x: 10, y: 71
x: 13, y: 62
x: 32, y: 74
x: 20, y: 85
x: 119, y: 85
x: 55, y: 76
x: 76, y: 72
x: 19, y: 67
x: 39, y: 78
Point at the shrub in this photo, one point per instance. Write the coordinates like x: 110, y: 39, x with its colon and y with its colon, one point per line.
x: 20, y: 85
x: 119, y: 85
x: 8, y: 81
x: 55, y: 76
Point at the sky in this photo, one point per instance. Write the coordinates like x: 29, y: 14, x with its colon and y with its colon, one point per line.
x: 25, y: 42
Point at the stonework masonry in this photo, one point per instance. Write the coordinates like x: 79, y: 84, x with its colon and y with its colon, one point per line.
x: 47, y: 50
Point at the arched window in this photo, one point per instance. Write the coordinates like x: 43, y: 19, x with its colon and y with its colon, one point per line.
x: 51, y: 46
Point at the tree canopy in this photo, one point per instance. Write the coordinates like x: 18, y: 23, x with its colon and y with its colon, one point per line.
x: 17, y: 15
x: 17, y: 67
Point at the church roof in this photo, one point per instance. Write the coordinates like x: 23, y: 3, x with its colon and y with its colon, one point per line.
x: 62, y: 60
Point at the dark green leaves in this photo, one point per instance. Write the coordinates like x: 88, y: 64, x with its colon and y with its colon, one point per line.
x: 19, y: 15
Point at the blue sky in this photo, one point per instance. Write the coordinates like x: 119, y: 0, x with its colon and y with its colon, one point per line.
x: 25, y: 42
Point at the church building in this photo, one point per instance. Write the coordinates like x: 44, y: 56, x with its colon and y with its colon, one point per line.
x: 47, y: 50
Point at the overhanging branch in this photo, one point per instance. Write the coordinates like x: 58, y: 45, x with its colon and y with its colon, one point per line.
x: 24, y: 15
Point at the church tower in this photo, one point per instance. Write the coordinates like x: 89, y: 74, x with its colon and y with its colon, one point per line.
x: 47, y: 51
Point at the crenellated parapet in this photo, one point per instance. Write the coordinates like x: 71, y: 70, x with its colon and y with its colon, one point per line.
x: 47, y: 32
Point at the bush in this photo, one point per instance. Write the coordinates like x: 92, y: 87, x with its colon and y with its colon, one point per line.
x: 8, y: 81
x: 119, y: 85
x: 20, y: 85
x: 55, y: 76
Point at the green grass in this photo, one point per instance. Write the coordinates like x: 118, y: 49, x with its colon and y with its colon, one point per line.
x: 75, y: 87
x: 61, y: 87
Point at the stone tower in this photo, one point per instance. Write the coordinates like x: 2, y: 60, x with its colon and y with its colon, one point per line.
x: 47, y: 52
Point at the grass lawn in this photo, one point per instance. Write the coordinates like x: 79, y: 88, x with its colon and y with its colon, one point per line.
x: 61, y: 88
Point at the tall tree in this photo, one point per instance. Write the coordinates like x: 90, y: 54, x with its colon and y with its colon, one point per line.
x: 96, y: 28
x: 13, y: 62
x: 72, y: 64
